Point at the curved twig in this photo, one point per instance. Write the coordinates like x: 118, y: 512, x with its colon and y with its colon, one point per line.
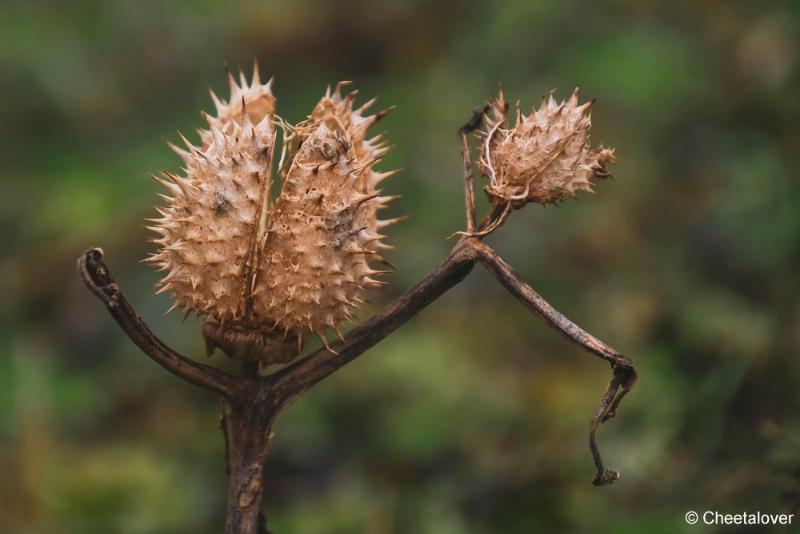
x: 624, y: 371
x: 98, y: 279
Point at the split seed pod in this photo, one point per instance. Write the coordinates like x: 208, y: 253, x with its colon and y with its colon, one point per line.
x: 265, y: 273
x: 545, y: 157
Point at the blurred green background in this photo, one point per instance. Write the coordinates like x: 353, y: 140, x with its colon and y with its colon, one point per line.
x: 472, y: 417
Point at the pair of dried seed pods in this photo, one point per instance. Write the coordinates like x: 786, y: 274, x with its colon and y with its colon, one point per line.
x: 266, y: 272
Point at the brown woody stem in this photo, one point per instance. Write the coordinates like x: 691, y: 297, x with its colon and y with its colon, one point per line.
x: 248, y: 432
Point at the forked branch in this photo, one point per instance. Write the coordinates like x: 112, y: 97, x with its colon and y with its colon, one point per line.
x: 286, y: 385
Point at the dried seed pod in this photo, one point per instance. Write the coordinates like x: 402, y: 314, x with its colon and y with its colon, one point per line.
x: 324, y: 231
x: 266, y: 273
x: 545, y: 157
x: 208, y: 230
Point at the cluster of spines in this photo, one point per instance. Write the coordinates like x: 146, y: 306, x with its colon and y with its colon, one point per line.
x: 253, y: 100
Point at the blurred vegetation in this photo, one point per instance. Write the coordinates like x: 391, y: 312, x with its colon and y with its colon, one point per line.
x: 473, y: 417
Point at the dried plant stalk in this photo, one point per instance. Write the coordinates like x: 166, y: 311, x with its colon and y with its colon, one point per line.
x: 264, y: 275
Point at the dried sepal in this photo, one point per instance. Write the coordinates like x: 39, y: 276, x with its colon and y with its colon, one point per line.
x: 545, y: 157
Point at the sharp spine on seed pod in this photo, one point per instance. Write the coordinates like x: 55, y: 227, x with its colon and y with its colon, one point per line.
x: 265, y: 273
x: 545, y: 156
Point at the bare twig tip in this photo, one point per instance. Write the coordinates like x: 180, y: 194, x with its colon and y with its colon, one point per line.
x: 475, y: 120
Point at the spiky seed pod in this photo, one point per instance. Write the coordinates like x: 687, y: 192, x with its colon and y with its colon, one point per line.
x: 265, y: 274
x: 209, y: 228
x: 545, y: 157
x: 324, y: 231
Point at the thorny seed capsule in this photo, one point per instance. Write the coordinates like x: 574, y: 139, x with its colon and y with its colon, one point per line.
x: 545, y: 157
x: 264, y: 272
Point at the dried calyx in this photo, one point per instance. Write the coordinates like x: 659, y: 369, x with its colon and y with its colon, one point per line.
x: 266, y: 272
x: 544, y: 157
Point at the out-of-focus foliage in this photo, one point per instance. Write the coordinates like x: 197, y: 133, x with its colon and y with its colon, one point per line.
x: 473, y: 417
